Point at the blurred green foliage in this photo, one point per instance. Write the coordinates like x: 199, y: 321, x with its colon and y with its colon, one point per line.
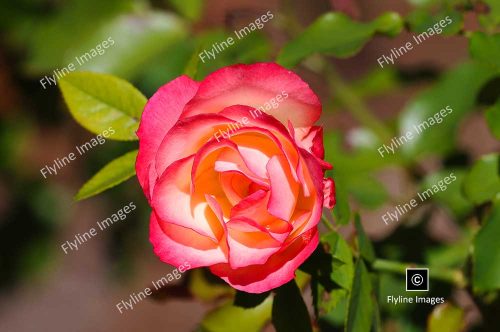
x: 350, y: 277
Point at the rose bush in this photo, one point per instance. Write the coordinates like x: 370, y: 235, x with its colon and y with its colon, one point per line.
x: 245, y: 204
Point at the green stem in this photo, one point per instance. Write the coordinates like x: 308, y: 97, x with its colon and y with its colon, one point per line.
x: 451, y: 276
x: 347, y: 97
x: 354, y: 104
x: 327, y: 223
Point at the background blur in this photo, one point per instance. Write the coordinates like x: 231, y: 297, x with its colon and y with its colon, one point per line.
x: 43, y: 289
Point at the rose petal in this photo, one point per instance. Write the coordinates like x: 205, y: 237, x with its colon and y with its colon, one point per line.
x: 249, y: 243
x: 278, y: 270
x: 176, y: 245
x: 187, y: 137
x: 161, y: 112
x: 313, y: 178
x: 254, y: 207
x: 328, y: 193
x: 173, y: 202
x: 284, y: 189
x: 254, y: 85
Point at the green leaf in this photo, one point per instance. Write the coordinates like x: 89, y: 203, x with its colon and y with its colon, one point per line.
x: 492, y: 18
x: 337, y: 34
x: 334, y: 308
x: 191, y: 9
x: 392, y: 285
x: 452, y: 196
x: 289, y: 310
x: 453, y: 255
x: 376, y: 82
x: 165, y: 67
x: 425, y: 110
x: 52, y: 40
x: 482, y: 183
x: 319, y: 266
x: 359, y: 316
x: 353, y: 175
x: 492, y: 115
x: 249, y: 300
x: 446, y: 318
x: 368, y: 191
x: 229, y: 318
x: 343, y: 266
x: 486, y: 48
x: 255, y: 47
x: 133, y: 48
x: 421, y: 20
x: 117, y: 171
x: 486, y: 254
x: 101, y: 101
x: 365, y: 246
x: 204, y: 290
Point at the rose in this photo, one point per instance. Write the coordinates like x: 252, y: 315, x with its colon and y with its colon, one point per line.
x: 247, y: 203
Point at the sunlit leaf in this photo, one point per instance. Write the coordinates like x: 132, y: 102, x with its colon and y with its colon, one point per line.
x: 100, y: 101
x: 204, y: 290
x: 446, y: 318
x: 117, y: 171
x: 343, y: 266
x: 229, y: 318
